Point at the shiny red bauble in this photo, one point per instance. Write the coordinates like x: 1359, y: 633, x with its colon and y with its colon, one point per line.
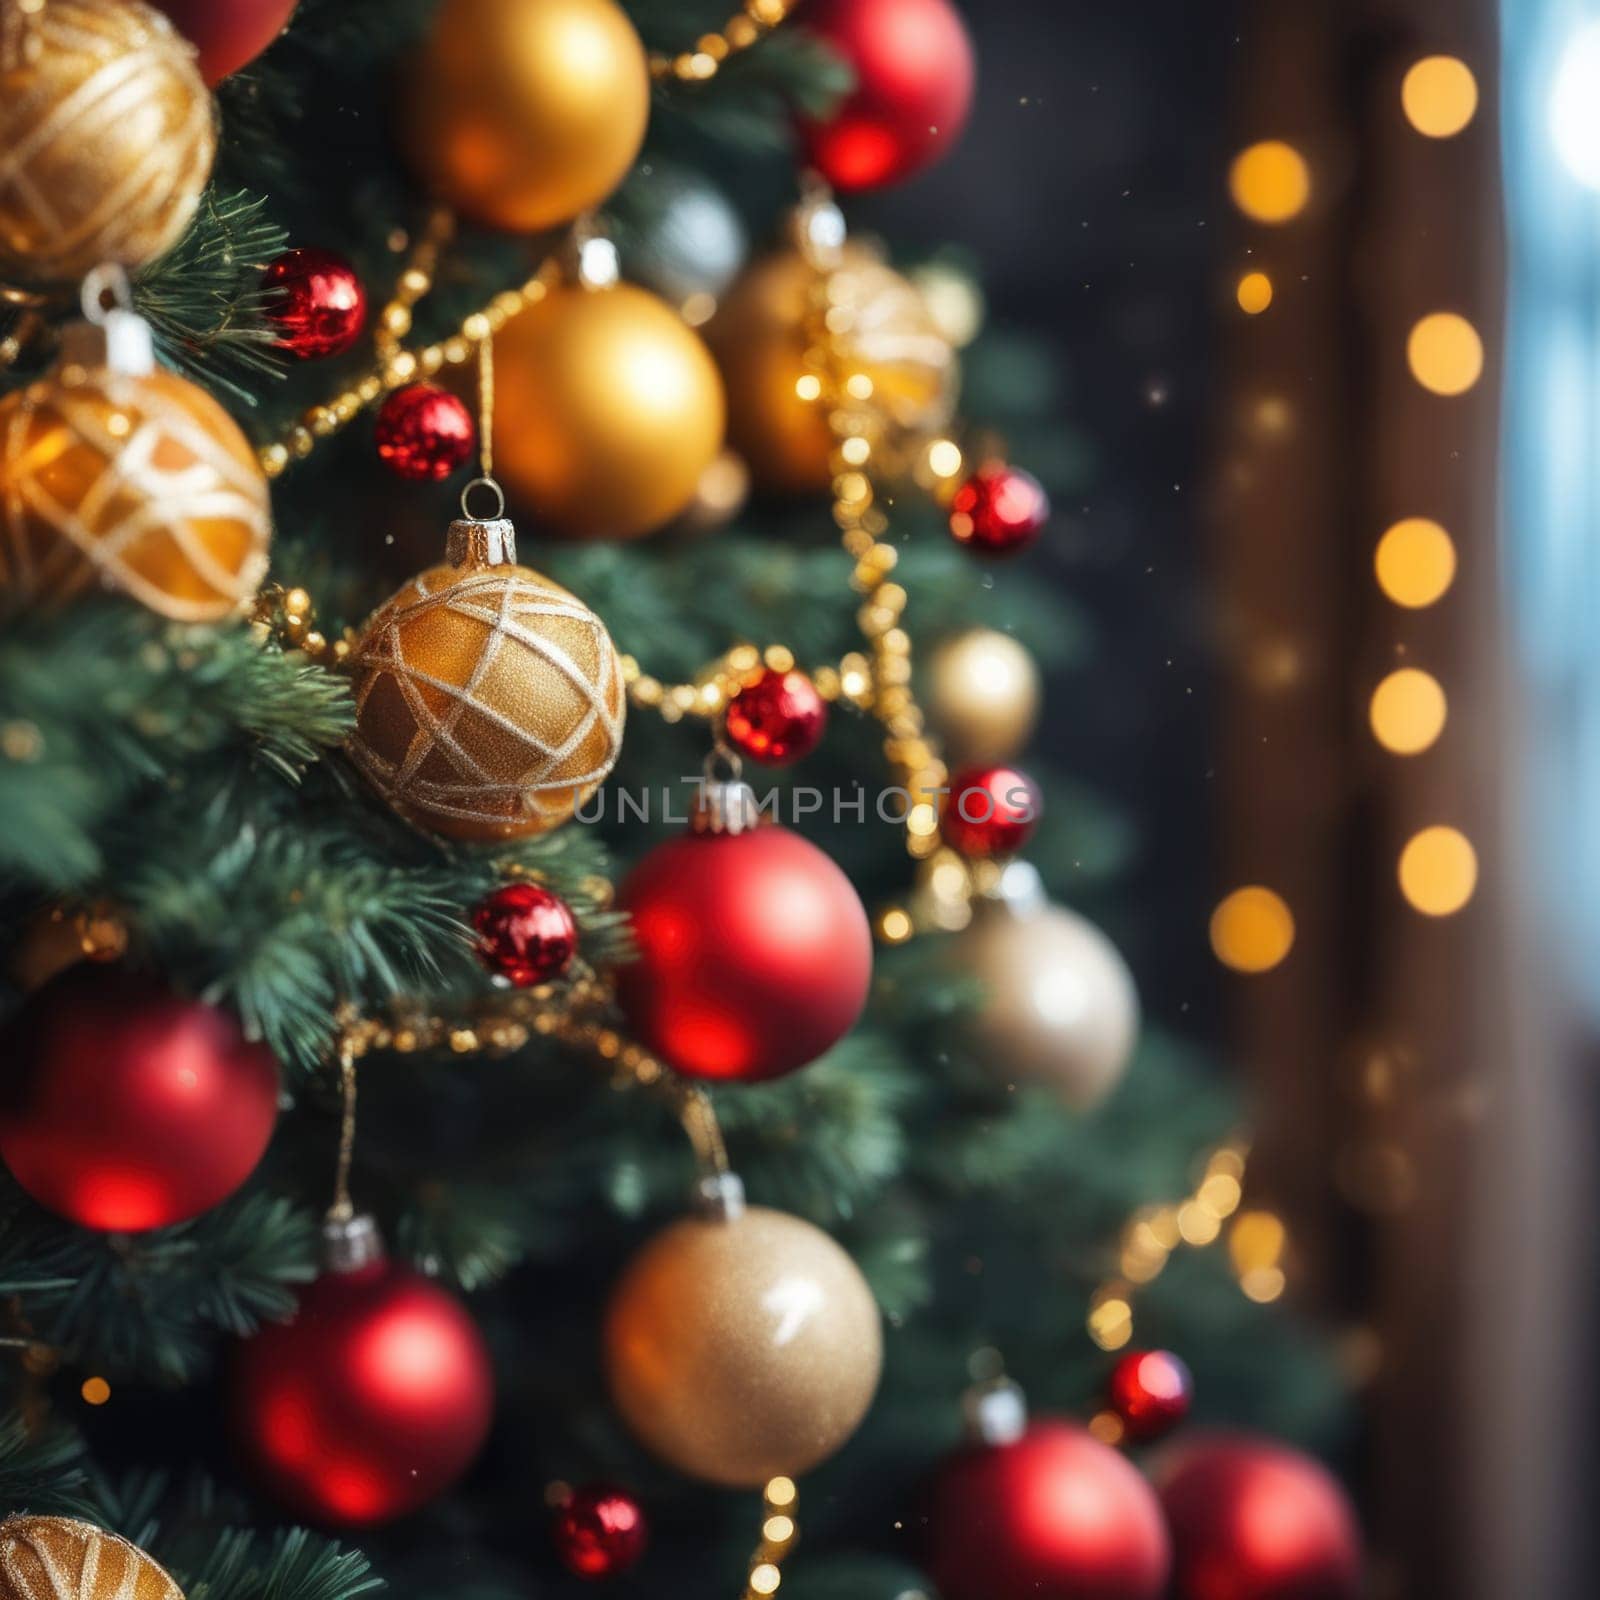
x: 227, y: 33
x: 370, y: 1403
x: 1151, y: 1392
x: 1252, y: 1519
x: 777, y: 719
x: 600, y: 1531
x: 526, y: 934
x: 424, y: 433
x: 754, y: 953
x: 914, y: 75
x: 1055, y: 1516
x: 999, y: 510
x: 124, y: 1106
x: 990, y: 811
x: 316, y: 302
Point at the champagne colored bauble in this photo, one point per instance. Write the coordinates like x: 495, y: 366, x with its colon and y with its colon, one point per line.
x: 608, y: 410
x: 522, y: 113
x: 744, y: 1348
x: 489, y: 700
x: 107, y: 134
x: 983, y: 696
x: 60, y: 1558
x: 762, y: 335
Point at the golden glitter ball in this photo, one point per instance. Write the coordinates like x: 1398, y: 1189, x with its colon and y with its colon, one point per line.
x: 983, y: 696
x: 60, y: 1558
x: 136, y: 483
x: 107, y: 135
x: 745, y: 1349
x: 608, y: 411
x: 489, y: 700
x: 523, y: 113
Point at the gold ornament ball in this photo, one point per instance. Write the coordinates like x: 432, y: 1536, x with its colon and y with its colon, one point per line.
x: 107, y: 135
x: 523, y: 113
x: 60, y: 1558
x: 139, y: 483
x: 608, y: 409
x: 739, y: 1350
x: 983, y: 696
x: 489, y: 700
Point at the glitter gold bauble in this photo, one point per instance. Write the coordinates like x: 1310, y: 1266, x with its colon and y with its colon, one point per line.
x: 608, y: 410
x: 881, y: 329
x: 741, y: 1348
x: 983, y: 696
x: 522, y: 113
x: 489, y: 700
x: 60, y: 1558
x: 107, y: 134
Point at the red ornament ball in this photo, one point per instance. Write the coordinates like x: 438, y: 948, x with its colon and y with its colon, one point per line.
x: 425, y: 433
x: 526, y: 934
x: 124, y: 1106
x: 370, y: 1403
x: 778, y: 719
x: 317, y: 303
x: 1055, y: 1516
x: 600, y: 1531
x: 990, y: 811
x: 1252, y: 1519
x: 914, y: 80
x: 754, y: 953
x: 999, y: 510
x: 1151, y: 1392
x: 227, y: 33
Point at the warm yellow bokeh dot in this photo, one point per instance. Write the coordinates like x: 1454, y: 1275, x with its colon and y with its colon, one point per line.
x: 1270, y: 181
x: 1416, y: 562
x: 1440, y: 96
x: 1252, y: 930
x: 1255, y: 293
x: 1408, y: 711
x: 1256, y: 1241
x: 1438, y: 871
x: 1445, y: 353
x: 95, y: 1391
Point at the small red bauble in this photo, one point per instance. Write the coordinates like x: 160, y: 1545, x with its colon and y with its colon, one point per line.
x: 124, y: 1106
x: 425, y: 433
x: 1151, y: 1392
x: 227, y: 33
x: 600, y: 1531
x: 777, y: 719
x: 370, y: 1403
x: 914, y: 79
x: 999, y: 510
x: 1054, y: 1516
x: 1252, y: 1519
x: 990, y: 811
x: 316, y: 303
x: 526, y: 934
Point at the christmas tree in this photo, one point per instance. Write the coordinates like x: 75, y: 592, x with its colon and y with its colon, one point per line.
x: 429, y: 1115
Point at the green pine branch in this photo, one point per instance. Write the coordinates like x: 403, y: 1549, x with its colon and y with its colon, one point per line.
x: 42, y: 1471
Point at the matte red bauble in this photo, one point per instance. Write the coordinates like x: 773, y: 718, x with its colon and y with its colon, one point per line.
x: 1151, y: 1392
x: 600, y: 1531
x: 914, y: 80
x: 999, y: 510
x: 1056, y: 1515
x: 754, y: 952
x: 990, y: 811
x: 316, y: 302
x: 424, y: 433
x: 526, y: 934
x: 227, y: 33
x: 124, y: 1106
x: 777, y: 719
x: 370, y: 1403
x: 1252, y: 1519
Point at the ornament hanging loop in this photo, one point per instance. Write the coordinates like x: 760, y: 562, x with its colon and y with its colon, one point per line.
x: 106, y: 290
x: 494, y: 489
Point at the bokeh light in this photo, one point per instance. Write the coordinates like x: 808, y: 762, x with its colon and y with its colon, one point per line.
x: 1445, y: 353
x: 1252, y: 930
x: 95, y: 1391
x: 1440, y: 96
x: 1416, y: 562
x: 1438, y: 871
x: 1408, y: 711
x: 1270, y: 181
x: 1575, y: 107
x: 1254, y: 293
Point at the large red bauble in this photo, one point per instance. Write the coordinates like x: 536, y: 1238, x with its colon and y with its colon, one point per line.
x: 914, y: 80
x: 227, y: 33
x: 124, y: 1106
x: 754, y: 953
x: 1252, y: 1519
x: 1055, y: 1516
x: 316, y: 302
x: 371, y: 1402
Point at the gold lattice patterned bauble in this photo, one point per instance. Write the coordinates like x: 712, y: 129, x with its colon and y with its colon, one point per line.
x: 489, y: 700
x: 59, y: 1558
x: 107, y: 134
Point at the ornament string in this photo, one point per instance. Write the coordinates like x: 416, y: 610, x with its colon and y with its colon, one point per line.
x: 343, y: 1209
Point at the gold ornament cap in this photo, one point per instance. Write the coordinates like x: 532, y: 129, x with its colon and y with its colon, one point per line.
x: 995, y: 1412
x: 719, y: 1197
x: 111, y: 338
x: 1018, y: 891
x: 471, y: 543
x: 351, y: 1243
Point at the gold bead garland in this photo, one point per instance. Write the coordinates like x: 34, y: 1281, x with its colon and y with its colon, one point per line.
x: 747, y: 26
